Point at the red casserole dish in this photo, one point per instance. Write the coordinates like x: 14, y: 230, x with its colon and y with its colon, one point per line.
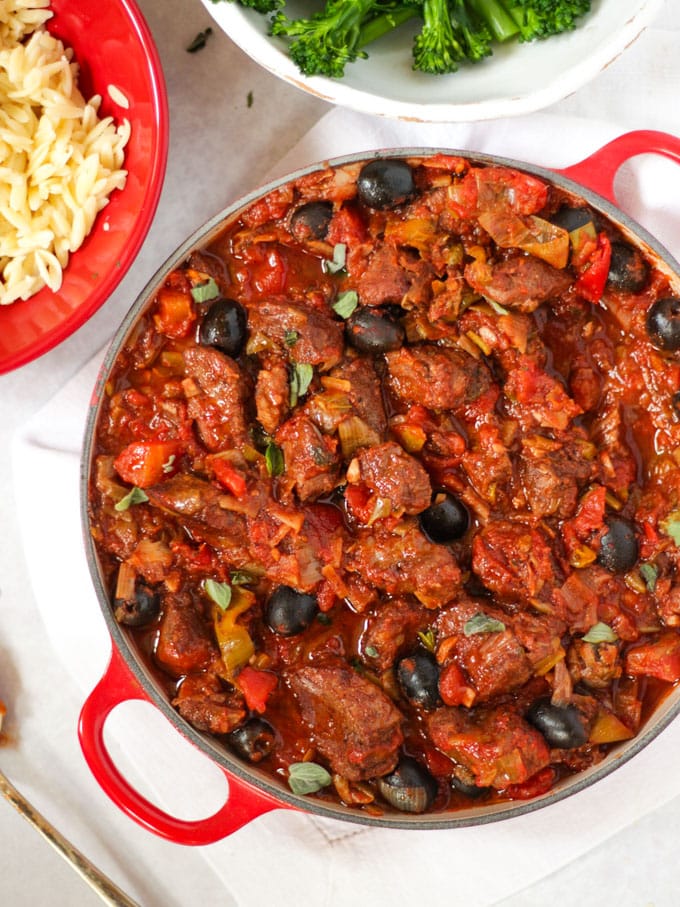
x: 252, y: 791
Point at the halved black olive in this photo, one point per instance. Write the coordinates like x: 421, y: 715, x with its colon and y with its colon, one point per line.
x: 311, y: 221
x: 618, y: 546
x: 385, y: 183
x: 140, y: 610
x: 468, y: 788
x: 289, y: 612
x: 373, y: 331
x: 562, y: 726
x: 628, y: 269
x: 572, y: 218
x: 224, y: 326
x: 254, y: 740
x: 410, y: 788
x: 418, y: 677
x: 663, y: 323
x: 446, y: 519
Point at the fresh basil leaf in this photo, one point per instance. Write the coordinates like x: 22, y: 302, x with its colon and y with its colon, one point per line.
x: 371, y: 651
x: 307, y: 777
x: 482, y: 623
x: 204, y: 292
x: 346, y: 303
x: 290, y: 338
x: 427, y: 638
x: 134, y: 496
x: 671, y: 526
x: 650, y: 574
x: 220, y: 593
x: 600, y: 632
x: 273, y: 458
x: 240, y: 578
x: 300, y: 380
x: 337, y: 263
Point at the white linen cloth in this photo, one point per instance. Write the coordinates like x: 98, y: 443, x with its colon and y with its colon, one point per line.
x: 304, y: 859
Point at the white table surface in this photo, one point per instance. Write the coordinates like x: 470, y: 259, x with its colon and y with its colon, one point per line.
x: 638, y: 867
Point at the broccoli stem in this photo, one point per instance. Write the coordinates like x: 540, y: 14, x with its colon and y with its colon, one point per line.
x: 380, y: 25
x: 500, y: 22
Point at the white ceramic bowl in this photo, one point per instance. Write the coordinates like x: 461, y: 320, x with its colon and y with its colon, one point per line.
x: 517, y: 79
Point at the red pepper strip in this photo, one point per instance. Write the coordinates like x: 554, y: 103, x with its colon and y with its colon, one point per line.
x: 229, y: 477
x: 175, y: 313
x: 660, y: 658
x: 591, y: 282
x: 256, y: 686
x: 145, y: 463
x: 454, y: 688
x: 538, y: 784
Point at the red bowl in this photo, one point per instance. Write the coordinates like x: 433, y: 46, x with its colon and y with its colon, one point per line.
x: 113, y: 45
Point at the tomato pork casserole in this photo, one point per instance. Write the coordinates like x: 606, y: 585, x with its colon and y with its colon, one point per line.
x: 386, y: 484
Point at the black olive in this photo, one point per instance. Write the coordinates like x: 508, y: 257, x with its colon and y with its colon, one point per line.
x: 618, y: 546
x: 675, y: 403
x: 446, y: 519
x: 289, y: 612
x: 468, y: 788
x: 571, y: 218
x: 372, y: 331
x: 663, y: 323
x: 562, y: 726
x: 224, y: 326
x: 410, y: 788
x: 385, y: 183
x: 418, y: 677
x: 628, y: 270
x: 139, y: 611
x: 311, y: 221
x: 254, y: 740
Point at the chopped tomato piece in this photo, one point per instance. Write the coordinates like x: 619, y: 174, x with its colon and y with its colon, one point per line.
x: 175, y: 313
x: 538, y: 784
x: 593, y: 278
x: 660, y: 658
x: 145, y: 463
x: 229, y: 477
x: 454, y: 688
x: 257, y: 687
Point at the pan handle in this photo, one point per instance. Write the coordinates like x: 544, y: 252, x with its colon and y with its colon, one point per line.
x: 243, y: 804
x: 598, y: 171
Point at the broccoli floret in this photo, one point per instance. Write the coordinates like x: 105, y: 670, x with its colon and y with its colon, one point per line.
x: 261, y: 6
x: 450, y: 34
x: 544, y: 18
x: 325, y: 43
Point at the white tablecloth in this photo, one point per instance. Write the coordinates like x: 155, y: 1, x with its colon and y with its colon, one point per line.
x: 45, y: 672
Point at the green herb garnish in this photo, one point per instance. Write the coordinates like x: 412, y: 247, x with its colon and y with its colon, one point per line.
x: 300, y: 380
x: 273, y: 458
x: 600, y: 632
x: 240, y: 578
x: 307, y: 777
x: 290, y: 338
x: 482, y: 623
x: 371, y: 651
x: 220, y: 593
x: 134, y: 496
x: 346, y: 303
x: 249, y: 99
x: 204, y: 292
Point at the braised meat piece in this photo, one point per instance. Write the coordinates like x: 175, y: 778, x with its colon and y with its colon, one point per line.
x: 304, y: 334
x: 204, y: 703
x: 311, y: 459
x: 185, y: 645
x: 521, y: 282
x: 353, y: 723
x: 390, y: 628
x: 402, y: 561
x: 496, y: 745
x: 272, y: 395
x: 364, y: 393
x: 513, y: 560
x: 552, y: 474
x: 388, y: 471
x: 435, y: 377
x: 216, y: 390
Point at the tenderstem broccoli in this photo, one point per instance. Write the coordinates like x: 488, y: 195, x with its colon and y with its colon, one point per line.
x: 450, y: 31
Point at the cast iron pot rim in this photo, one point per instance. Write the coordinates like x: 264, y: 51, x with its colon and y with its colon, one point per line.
x: 474, y: 815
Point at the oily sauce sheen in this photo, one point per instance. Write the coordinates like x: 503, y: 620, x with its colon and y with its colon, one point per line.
x: 386, y: 481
